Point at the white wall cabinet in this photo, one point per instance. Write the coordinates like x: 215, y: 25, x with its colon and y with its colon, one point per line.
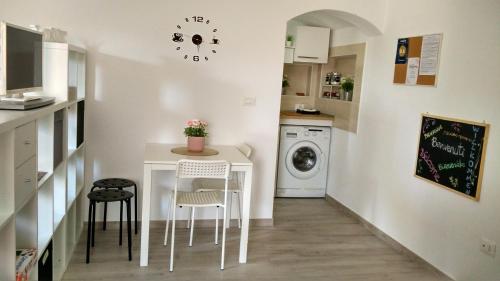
x: 312, y: 44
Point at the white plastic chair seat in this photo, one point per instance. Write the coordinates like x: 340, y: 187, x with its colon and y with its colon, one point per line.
x: 215, y: 184
x: 197, y: 199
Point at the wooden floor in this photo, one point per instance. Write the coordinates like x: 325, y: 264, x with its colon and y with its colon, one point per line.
x: 311, y: 240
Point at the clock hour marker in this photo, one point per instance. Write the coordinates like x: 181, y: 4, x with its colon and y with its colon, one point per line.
x: 215, y: 30
x: 208, y: 21
x: 213, y: 51
x: 185, y: 56
x: 178, y: 48
x: 206, y: 58
x: 187, y: 20
x: 178, y: 26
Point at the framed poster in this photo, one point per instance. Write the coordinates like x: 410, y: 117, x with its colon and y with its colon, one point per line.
x: 451, y: 154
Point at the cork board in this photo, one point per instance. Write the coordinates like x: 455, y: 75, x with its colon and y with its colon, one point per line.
x: 417, y: 60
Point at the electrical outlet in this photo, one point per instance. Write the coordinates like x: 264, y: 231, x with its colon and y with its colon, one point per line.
x: 488, y: 247
x: 249, y: 101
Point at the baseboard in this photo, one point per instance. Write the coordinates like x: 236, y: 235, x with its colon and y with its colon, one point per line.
x: 383, y: 236
x: 182, y: 223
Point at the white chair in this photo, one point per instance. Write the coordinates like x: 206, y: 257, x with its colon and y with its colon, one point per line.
x: 234, y: 186
x: 192, y: 169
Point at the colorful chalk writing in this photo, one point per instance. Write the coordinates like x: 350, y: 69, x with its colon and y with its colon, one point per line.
x: 450, y: 153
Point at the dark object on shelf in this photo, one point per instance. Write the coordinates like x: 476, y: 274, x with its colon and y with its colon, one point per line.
x: 108, y: 195
x: 300, y: 94
x: 120, y: 184
x: 80, y: 123
x: 58, y: 137
x: 309, y: 111
x: 40, y: 175
x: 45, y: 264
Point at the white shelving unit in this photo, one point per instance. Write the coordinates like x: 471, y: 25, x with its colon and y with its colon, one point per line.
x: 36, y: 211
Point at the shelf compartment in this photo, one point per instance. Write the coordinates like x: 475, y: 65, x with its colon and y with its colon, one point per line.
x: 45, y: 126
x: 71, y: 180
x: 72, y: 128
x: 25, y: 182
x: 59, y: 194
x: 80, y: 165
x: 59, y: 140
x: 26, y: 235
x: 6, y: 177
x: 45, y: 214
x: 59, y: 251
x: 7, y: 251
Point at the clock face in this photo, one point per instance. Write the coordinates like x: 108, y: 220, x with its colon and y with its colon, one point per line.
x: 196, y: 39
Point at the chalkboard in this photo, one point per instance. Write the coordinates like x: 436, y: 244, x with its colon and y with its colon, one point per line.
x: 451, y: 154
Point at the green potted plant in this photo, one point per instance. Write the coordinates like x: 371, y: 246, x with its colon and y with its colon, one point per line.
x: 196, y: 131
x: 284, y: 84
x: 289, y: 40
x: 347, y: 85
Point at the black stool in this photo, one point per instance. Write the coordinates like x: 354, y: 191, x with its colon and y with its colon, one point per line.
x: 120, y: 184
x: 109, y: 195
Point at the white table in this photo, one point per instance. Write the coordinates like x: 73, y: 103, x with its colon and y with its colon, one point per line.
x: 159, y: 157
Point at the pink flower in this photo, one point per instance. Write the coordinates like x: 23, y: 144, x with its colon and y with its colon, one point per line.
x: 190, y: 123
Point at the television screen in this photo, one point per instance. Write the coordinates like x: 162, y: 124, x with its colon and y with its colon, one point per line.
x: 23, y: 59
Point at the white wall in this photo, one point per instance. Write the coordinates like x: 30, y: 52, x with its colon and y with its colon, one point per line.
x: 372, y: 172
x: 141, y: 90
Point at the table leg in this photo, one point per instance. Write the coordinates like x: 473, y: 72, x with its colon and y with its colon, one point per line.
x: 245, y: 216
x: 146, y: 206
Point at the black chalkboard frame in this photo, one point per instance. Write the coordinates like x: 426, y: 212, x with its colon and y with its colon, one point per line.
x: 486, y: 127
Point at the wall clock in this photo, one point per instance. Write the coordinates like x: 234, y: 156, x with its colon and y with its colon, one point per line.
x: 196, y: 39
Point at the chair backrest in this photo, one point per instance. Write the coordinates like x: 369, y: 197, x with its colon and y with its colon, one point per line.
x: 245, y: 149
x: 203, y: 169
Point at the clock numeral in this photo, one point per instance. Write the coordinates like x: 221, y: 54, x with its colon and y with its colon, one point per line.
x: 197, y: 19
x: 196, y: 58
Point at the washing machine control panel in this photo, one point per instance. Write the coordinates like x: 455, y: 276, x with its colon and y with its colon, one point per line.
x: 307, y: 133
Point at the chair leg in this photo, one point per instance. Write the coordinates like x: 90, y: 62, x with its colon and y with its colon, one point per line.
x: 217, y: 225
x: 129, y: 229
x: 104, y: 216
x: 239, y: 209
x: 172, y: 243
x: 89, y: 231
x: 193, y: 210
x: 223, y: 241
x: 94, y: 204
x: 229, y: 209
x: 135, y: 207
x: 121, y: 221
x: 169, y: 211
x: 188, y: 224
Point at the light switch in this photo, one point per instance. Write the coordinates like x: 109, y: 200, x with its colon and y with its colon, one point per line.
x: 249, y: 101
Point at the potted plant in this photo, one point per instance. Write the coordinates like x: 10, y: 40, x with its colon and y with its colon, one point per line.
x: 284, y: 84
x: 289, y: 40
x: 347, y: 85
x: 196, y: 131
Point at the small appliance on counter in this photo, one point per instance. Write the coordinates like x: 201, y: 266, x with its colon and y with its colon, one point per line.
x: 308, y: 111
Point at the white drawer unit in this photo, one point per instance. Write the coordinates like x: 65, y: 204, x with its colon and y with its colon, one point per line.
x: 25, y: 143
x: 25, y: 182
x: 312, y: 44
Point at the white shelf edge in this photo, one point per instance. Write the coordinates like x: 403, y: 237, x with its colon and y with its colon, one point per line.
x: 73, y: 151
x: 5, y: 219
x: 45, y: 178
x: 28, y: 199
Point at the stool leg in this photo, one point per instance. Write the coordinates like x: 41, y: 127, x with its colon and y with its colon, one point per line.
x: 121, y: 220
x: 94, y: 203
x: 89, y: 230
x: 104, y: 216
x: 129, y: 230
x: 135, y: 206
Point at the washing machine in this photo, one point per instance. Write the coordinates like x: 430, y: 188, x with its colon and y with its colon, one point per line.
x: 303, y: 161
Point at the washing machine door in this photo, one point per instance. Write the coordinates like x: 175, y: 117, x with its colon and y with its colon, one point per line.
x: 303, y: 160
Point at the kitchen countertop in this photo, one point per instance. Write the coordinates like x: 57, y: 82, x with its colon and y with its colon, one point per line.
x: 294, y: 118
